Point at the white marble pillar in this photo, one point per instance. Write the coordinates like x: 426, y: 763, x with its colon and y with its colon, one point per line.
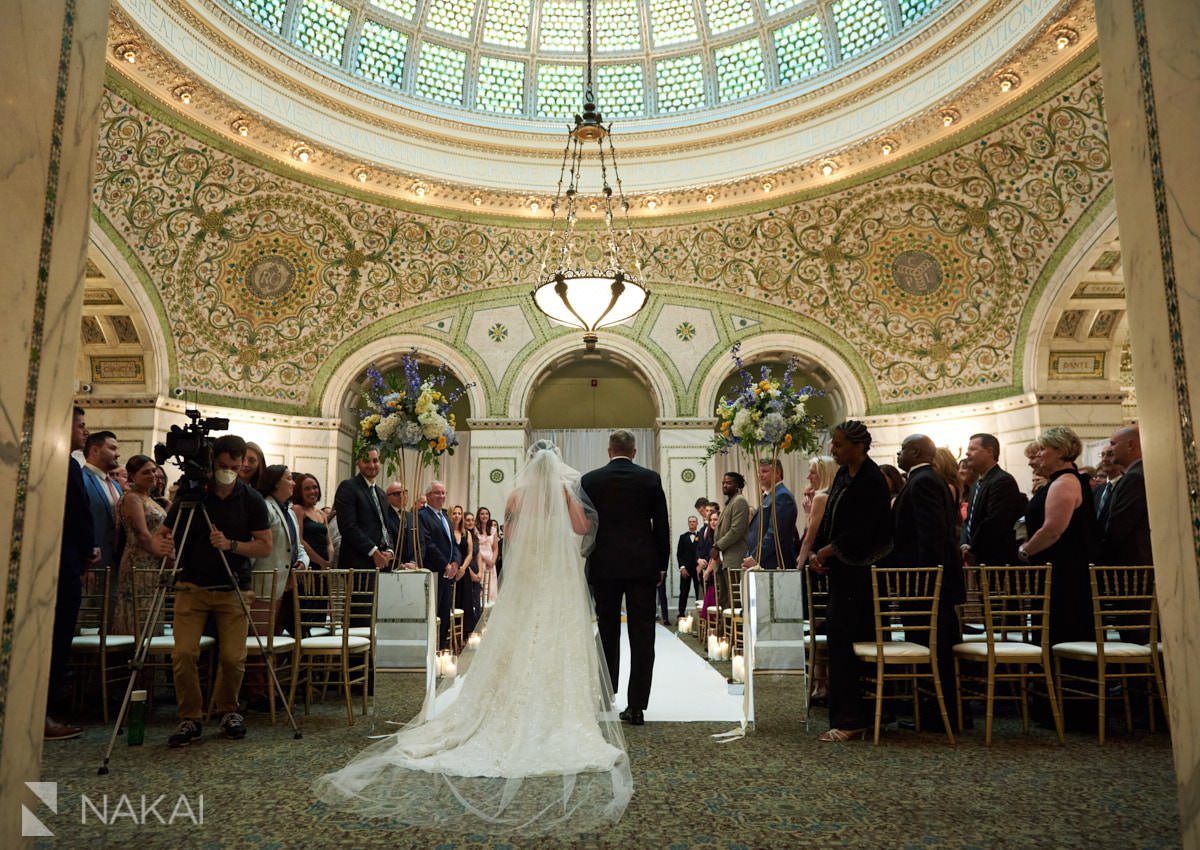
x: 49, y: 101
x: 1151, y: 71
x: 497, y: 453
x: 685, y: 478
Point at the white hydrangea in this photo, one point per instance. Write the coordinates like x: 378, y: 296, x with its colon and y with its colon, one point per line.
x: 387, y: 427
x: 433, y: 424
x: 410, y: 435
x: 745, y: 426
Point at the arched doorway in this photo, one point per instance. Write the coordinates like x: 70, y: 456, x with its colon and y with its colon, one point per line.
x: 580, y: 397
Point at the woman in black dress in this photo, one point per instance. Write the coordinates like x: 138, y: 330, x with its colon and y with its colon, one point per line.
x: 1061, y: 520
x: 314, y: 530
x: 855, y: 532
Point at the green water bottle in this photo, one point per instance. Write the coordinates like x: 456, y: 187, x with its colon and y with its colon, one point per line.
x: 135, y: 731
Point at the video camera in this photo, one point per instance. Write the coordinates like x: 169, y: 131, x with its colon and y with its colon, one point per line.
x: 191, y: 446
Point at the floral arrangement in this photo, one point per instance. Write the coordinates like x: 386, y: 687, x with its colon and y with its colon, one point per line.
x: 407, y: 412
x: 767, y: 416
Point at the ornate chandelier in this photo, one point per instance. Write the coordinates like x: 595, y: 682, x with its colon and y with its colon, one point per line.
x: 588, y: 289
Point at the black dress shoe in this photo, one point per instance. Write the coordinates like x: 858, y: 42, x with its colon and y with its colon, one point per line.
x: 633, y: 717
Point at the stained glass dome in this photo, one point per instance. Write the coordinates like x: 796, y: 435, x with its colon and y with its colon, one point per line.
x: 524, y: 58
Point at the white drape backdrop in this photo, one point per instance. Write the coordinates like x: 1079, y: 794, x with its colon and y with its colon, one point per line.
x: 454, y: 472
x: 587, y: 448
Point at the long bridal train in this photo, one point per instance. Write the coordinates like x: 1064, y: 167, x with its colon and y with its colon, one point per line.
x: 532, y: 741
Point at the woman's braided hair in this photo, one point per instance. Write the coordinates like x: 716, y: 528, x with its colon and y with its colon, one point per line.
x: 855, y: 432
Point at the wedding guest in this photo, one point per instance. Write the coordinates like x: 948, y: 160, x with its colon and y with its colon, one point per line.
x: 439, y: 553
x: 855, y: 532
x: 1061, y: 521
x: 366, y: 544
x: 1112, y: 472
x: 705, y: 564
x: 685, y: 559
x: 252, y: 465
x: 966, y: 482
x: 894, y: 478
x: 314, y: 527
x: 946, y: 465
x: 148, y: 541
x: 821, y: 472
x: 159, y: 493
x: 988, y: 535
x: 400, y: 525
x: 121, y: 476
x: 730, y: 535
x: 923, y: 535
x: 472, y: 583
x: 75, y: 555
x: 277, y: 487
x: 335, y: 536
x: 101, y: 454
x: 489, y: 544
x: 773, y: 527
x: 1125, y: 536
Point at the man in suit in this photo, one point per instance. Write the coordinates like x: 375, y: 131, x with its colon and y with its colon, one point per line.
x: 101, y: 454
x: 685, y: 557
x: 399, y: 521
x: 924, y: 524
x: 1126, y: 531
x: 629, y: 560
x: 439, y: 554
x: 729, y: 537
x: 996, y: 503
x: 774, y: 523
x: 1112, y: 472
x: 75, y: 556
x: 359, y: 504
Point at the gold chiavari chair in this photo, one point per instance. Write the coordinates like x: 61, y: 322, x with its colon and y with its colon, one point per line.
x: 264, y: 614
x: 364, y: 604
x: 816, y: 592
x: 338, y: 657
x: 1123, y: 606
x: 970, y: 611
x: 162, y: 642
x: 732, y: 621
x: 905, y: 600
x: 93, y: 648
x: 1016, y: 622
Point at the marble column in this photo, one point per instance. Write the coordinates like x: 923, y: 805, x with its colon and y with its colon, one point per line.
x: 53, y: 75
x: 1151, y: 71
x: 681, y: 448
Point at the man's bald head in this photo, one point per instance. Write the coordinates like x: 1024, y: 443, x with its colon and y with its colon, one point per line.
x: 915, y: 450
x: 1126, y: 445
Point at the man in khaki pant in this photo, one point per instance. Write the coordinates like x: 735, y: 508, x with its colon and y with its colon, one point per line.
x: 241, y: 531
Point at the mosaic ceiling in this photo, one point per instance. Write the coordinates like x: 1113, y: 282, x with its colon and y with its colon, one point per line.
x: 922, y: 278
x: 524, y: 58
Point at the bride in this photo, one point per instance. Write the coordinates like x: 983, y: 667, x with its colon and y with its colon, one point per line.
x: 531, y: 742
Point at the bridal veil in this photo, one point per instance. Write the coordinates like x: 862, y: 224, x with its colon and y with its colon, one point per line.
x: 528, y: 738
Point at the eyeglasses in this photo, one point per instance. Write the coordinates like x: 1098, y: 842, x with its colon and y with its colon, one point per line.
x: 396, y: 493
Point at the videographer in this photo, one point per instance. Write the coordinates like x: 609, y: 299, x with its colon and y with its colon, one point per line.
x: 241, y: 531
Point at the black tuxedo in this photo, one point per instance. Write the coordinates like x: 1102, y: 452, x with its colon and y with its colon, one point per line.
x: 686, y: 557
x: 360, y: 515
x: 995, y: 506
x: 1126, y: 528
x: 632, y: 551
x: 924, y: 520
x: 438, y: 549
x: 78, y: 541
x: 400, y: 525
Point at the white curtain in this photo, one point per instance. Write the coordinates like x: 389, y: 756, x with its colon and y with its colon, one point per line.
x: 454, y: 472
x: 587, y: 448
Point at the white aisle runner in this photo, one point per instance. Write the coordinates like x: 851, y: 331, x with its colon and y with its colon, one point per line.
x: 686, y: 688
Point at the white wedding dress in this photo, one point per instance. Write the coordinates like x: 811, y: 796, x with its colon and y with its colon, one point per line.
x: 532, y: 741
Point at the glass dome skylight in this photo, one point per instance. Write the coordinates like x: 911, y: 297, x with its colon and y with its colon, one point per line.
x: 524, y: 58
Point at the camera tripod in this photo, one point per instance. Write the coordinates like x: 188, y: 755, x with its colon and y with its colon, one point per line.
x: 191, y: 504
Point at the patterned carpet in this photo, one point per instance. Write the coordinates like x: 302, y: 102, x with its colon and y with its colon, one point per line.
x: 777, y: 788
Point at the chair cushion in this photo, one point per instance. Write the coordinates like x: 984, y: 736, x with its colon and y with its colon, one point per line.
x: 165, y: 644
x: 982, y: 638
x: 1008, y: 650
x: 354, y: 642
x: 894, y: 650
x: 361, y: 631
x: 92, y: 642
x: 1112, y: 649
x: 282, y: 643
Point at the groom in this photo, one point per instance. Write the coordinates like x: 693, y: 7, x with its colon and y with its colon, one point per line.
x: 633, y: 547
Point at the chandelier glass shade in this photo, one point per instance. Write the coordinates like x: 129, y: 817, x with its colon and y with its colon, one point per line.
x: 585, y: 281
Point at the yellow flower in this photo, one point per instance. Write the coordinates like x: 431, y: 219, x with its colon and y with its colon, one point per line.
x: 787, y: 440
x: 441, y: 444
x: 764, y: 385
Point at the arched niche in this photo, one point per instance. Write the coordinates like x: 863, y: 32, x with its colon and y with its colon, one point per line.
x: 566, y: 349
x: 818, y: 366
x: 342, y: 391
x: 591, y: 390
